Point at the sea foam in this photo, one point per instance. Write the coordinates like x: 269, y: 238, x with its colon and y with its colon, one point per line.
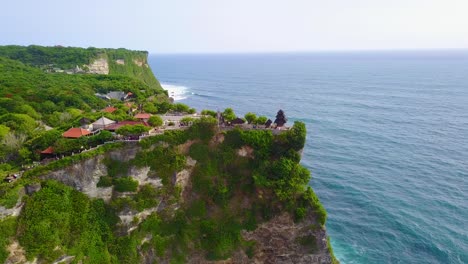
x: 178, y: 92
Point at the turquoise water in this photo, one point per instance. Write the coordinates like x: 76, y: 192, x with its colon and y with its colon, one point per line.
x: 387, y: 139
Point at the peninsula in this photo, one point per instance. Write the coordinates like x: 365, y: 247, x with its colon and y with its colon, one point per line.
x: 99, y: 165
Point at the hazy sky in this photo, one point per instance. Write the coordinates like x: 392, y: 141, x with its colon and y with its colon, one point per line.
x: 191, y: 26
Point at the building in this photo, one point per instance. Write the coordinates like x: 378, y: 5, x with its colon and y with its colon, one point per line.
x: 85, y: 123
x: 143, y: 116
x: 238, y: 121
x: 109, y: 109
x: 280, y: 119
x: 48, y: 153
x: 76, y: 132
x: 102, y: 123
x: 116, y: 95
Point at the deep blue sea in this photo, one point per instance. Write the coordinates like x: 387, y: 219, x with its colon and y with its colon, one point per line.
x: 387, y: 139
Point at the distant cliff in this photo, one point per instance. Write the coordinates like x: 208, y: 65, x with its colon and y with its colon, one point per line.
x: 194, y: 196
x: 74, y: 60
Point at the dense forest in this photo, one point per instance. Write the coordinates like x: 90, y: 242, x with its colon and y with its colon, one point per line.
x: 33, y: 101
x: 135, y: 62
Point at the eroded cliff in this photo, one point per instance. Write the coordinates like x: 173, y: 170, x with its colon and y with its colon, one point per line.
x: 195, y: 196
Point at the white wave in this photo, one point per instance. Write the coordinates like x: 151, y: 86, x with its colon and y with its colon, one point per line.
x: 178, y: 92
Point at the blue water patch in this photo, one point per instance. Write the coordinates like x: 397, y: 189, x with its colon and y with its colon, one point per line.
x: 387, y: 139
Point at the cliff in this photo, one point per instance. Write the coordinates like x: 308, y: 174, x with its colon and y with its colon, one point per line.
x: 74, y: 60
x: 194, y: 196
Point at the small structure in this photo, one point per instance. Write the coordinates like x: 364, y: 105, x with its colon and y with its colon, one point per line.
x: 109, y: 109
x: 113, y: 127
x: 143, y: 116
x: 48, y: 153
x: 130, y: 106
x: 116, y: 95
x: 11, y: 177
x: 268, y: 123
x: 102, y: 123
x: 238, y: 121
x: 76, y: 132
x: 85, y: 122
x: 280, y: 119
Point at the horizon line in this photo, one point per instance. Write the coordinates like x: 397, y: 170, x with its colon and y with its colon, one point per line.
x: 314, y: 51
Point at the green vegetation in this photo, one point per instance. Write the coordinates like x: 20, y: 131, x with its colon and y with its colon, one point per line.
x: 132, y: 130
x: 7, y: 231
x: 125, y: 184
x: 211, y: 219
x: 229, y: 114
x: 250, y: 117
x: 241, y: 178
x: 209, y: 113
x: 58, y: 219
x: 31, y: 98
x: 261, y: 120
x: 67, y: 161
x: 155, y: 121
x: 64, y: 58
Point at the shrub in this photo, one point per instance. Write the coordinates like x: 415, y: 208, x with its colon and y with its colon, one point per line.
x: 125, y: 184
x: 9, y: 195
x: 199, y: 152
x: 250, y: 117
x: 7, y: 230
x: 209, y: 112
x: 309, y: 242
x: 132, y: 130
x: 104, y: 181
x: 58, y: 219
x: 146, y: 197
x: 115, y: 167
x: 296, y: 136
x: 155, y: 121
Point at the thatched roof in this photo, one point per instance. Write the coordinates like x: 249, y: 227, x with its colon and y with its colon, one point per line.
x: 280, y: 119
x: 238, y: 121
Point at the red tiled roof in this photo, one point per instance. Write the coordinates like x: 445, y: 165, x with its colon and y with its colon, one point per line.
x: 75, y: 132
x: 120, y: 124
x: 49, y: 150
x: 109, y: 109
x: 143, y: 116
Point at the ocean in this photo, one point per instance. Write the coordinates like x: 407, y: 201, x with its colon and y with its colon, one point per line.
x: 387, y: 139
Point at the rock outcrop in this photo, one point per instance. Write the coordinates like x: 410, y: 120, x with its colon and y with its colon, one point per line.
x: 99, y: 66
x: 281, y: 240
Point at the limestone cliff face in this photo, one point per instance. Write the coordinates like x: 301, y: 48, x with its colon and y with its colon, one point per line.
x: 99, y: 66
x: 279, y: 240
x: 85, y: 175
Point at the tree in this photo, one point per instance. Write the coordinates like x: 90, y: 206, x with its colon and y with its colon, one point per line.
x: 129, y: 130
x: 3, y: 131
x: 296, y: 136
x: 150, y: 108
x: 209, y: 112
x: 13, y: 142
x: 155, y: 121
x: 229, y: 114
x: 261, y: 120
x: 179, y: 107
x: 250, y: 117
